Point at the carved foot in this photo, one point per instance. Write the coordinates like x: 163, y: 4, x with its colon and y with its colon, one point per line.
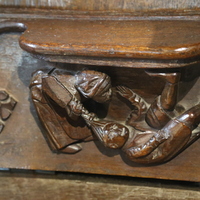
x: 172, y: 78
x: 71, y: 149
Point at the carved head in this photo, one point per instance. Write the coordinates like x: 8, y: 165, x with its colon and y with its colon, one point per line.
x: 111, y: 134
x: 115, y: 135
x: 95, y: 85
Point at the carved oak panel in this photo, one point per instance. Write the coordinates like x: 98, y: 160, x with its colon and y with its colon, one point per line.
x: 152, y: 132
x: 144, y: 111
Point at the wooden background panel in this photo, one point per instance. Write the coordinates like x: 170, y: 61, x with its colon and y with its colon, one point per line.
x: 105, y: 5
x: 23, y: 146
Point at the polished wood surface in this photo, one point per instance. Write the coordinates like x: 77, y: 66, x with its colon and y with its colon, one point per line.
x: 59, y: 97
x: 144, y: 39
x: 25, y: 146
x: 97, y: 43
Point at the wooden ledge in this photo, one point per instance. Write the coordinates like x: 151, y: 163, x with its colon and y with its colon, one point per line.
x: 108, y: 42
x: 125, y: 39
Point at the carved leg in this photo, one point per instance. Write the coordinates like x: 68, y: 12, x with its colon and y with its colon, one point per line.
x: 157, y: 116
x: 172, y: 138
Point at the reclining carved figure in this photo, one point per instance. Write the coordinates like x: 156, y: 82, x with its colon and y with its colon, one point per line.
x: 164, y: 138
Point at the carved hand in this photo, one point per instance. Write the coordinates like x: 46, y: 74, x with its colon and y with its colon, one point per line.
x: 74, y: 108
x: 88, y: 117
x: 131, y: 96
x: 125, y: 92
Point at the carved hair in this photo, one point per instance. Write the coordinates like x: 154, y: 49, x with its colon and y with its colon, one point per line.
x: 92, y: 83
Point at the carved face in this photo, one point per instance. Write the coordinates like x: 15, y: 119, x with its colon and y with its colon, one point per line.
x: 104, y: 97
x: 95, y: 85
x: 115, y: 135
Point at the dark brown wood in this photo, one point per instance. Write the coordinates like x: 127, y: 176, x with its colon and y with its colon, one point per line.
x: 25, y: 147
x: 126, y: 39
x: 156, y: 117
x: 153, y: 146
x: 151, y: 127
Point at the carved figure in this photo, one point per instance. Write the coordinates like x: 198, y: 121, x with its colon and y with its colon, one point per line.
x: 60, y: 90
x: 162, y: 137
x: 167, y: 142
x: 172, y: 134
x: 157, y: 115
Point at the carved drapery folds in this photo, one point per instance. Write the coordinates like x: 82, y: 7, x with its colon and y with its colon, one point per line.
x: 60, y: 98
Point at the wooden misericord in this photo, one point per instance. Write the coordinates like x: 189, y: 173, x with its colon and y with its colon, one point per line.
x: 115, y: 95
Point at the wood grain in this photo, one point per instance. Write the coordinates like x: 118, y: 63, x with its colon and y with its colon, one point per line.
x: 145, y: 39
x: 28, y: 185
x: 111, y: 5
x: 135, y: 39
x: 24, y: 147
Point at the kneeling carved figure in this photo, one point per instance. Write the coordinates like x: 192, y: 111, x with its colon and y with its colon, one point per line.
x: 59, y: 97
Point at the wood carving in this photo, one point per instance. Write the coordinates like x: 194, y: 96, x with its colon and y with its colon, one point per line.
x: 7, y: 104
x: 67, y: 90
x: 59, y: 97
x: 66, y: 100
x: 126, y: 80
